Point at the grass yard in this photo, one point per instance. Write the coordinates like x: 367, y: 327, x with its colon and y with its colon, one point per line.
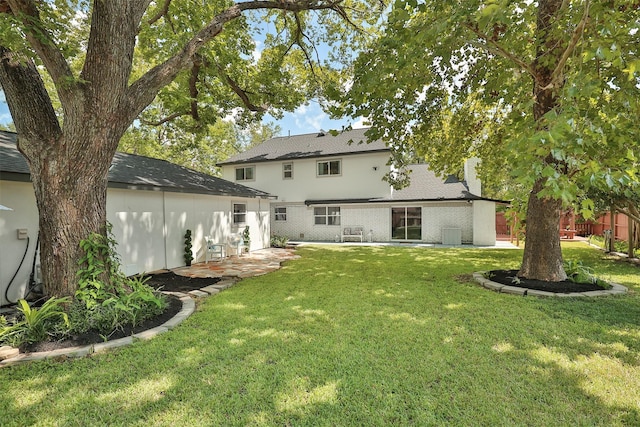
x: 366, y: 336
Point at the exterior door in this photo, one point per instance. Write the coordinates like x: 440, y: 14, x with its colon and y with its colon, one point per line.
x: 406, y: 223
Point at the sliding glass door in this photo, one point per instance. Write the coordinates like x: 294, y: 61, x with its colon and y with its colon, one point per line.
x: 406, y: 223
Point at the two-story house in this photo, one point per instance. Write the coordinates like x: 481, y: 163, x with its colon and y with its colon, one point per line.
x: 325, y: 184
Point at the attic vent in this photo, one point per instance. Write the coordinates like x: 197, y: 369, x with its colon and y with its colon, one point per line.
x: 321, y: 133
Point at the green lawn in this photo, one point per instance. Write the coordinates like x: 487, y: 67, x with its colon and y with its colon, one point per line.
x: 362, y: 336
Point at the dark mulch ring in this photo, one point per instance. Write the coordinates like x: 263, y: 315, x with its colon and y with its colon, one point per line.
x: 168, y: 282
x: 506, y: 277
x: 171, y: 282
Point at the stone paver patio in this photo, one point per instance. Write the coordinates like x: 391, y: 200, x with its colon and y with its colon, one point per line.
x: 250, y: 264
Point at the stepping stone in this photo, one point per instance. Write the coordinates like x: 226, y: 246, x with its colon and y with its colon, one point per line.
x: 211, y: 290
x: 198, y: 294
x: 7, y: 352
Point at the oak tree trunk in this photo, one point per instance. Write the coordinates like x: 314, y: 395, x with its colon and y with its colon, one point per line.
x: 542, y: 258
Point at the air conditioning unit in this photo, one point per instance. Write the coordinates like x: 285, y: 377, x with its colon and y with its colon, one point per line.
x: 451, y: 236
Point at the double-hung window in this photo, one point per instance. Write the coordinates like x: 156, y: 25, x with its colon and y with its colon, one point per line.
x: 245, y: 173
x: 287, y: 171
x: 329, y: 167
x: 326, y: 215
x: 280, y: 213
x: 239, y: 213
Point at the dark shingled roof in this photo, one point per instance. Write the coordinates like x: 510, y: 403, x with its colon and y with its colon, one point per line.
x: 425, y: 186
x: 309, y: 145
x: 134, y: 172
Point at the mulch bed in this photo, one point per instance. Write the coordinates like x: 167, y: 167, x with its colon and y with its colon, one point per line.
x: 171, y: 282
x: 506, y: 277
x: 168, y: 282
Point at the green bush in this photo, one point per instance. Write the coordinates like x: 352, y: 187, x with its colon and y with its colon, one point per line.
x: 279, y: 241
x: 577, y: 272
x: 621, y: 246
x: 36, y: 324
x: 106, y: 300
x: 188, y: 254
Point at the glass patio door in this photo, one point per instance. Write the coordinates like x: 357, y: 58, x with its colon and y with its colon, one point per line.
x: 406, y: 223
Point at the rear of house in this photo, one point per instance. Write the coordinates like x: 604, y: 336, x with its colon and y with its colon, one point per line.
x: 329, y: 185
x: 150, y: 204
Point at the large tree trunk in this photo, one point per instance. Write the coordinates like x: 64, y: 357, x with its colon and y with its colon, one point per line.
x: 542, y: 258
x: 71, y: 194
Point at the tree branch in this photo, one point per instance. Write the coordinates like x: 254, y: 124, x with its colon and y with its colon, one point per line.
x: 143, y: 90
x: 494, y: 47
x: 164, y: 11
x: 166, y: 119
x: 28, y: 100
x: 193, y: 88
x: 242, y: 94
x: 44, y: 45
x: 558, y: 72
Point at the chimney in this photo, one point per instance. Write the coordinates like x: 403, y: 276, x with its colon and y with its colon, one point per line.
x: 471, y: 177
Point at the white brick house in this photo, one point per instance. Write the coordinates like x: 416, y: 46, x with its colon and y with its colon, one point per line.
x: 327, y: 183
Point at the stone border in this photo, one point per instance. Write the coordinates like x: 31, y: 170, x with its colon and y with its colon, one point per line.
x: 188, y: 307
x: 616, y: 289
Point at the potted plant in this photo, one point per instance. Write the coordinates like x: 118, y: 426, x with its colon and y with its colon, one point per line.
x: 188, y: 254
x: 247, y: 239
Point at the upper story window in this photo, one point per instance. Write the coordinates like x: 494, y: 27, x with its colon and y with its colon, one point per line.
x: 245, y: 173
x: 239, y: 213
x: 280, y: 213
x: 329, y: 167
x: 287, y: 171
x: 326, y: 215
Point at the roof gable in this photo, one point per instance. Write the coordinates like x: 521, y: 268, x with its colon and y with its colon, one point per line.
x: 136, y: 172
x: 311, y: 145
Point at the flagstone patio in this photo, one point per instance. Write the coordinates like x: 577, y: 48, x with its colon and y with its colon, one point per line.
x: 250, y: 264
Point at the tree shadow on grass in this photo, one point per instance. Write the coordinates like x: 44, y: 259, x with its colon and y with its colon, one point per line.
x: 276, y: 351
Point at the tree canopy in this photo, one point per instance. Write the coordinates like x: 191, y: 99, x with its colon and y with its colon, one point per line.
x: 546, y: 91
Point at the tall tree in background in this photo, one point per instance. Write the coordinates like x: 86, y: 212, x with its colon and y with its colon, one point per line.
x: 546, y: 90
x: 128, y: 53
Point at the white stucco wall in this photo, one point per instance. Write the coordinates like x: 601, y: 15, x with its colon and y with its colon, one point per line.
x: 149, y: 228
x: 20, y: 197
x: 484, y: 223
x: 142, y: 219
x: 357, y: 180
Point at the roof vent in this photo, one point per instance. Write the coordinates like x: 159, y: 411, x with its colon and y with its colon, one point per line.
x: 321, y: 133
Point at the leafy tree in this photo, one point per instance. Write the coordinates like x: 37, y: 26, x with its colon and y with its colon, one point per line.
x: 199, y: 148
x: 109, y: 60
x: 546, y: 90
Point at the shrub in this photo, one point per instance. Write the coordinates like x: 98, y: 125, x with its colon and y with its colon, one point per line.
x: 279, y: 241
x: 577, y: 272
x: 36, y: 324
x: 188, y: 253
x: 106, y: 300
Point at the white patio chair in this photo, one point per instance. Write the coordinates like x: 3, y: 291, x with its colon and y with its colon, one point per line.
x: 213, y: 249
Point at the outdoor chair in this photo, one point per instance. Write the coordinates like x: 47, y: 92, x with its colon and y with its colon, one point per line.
x: 213, y: 249
x: 236, y: 243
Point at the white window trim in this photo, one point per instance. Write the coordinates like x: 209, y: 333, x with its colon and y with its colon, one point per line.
x: 275, y: 213
x: 290, y: 170
x: 326, y: 216
x: 233, y: 213
x: 329, y: 169
x: 235, y: 171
